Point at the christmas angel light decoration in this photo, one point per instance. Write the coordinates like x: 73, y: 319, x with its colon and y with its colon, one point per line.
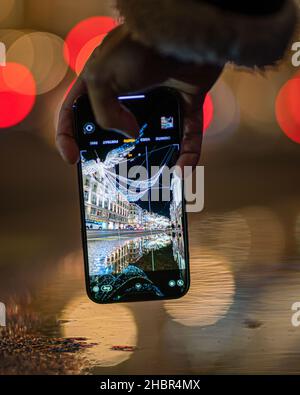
x: 132, y: 190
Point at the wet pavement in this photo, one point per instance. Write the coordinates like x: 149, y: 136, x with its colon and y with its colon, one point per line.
x: 245, y: 264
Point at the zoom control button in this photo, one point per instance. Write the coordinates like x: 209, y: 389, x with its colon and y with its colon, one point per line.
x: 89, y: 128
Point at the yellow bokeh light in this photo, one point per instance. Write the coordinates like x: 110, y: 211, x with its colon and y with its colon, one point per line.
x: 9, y: 36
x: 42, y: 53
x: 6, y: 7
x: 211, y: 293
x: 226, y: 113
x: 267, y: 236
x: 228, y: 234
x: 256, y: 93
x: 105, y: 326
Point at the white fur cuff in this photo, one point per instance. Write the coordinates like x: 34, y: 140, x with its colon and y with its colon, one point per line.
x: 196, y: 31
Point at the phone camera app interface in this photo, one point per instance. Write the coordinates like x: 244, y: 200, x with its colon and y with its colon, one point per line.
x: 133, y: 206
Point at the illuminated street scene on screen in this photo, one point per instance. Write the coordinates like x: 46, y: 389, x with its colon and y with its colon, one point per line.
x: 129, y: 229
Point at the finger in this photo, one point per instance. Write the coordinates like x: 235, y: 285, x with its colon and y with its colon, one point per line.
x: 192, y: 137
x: 65, y: 139
x: 190, y: 150
x: 109, y: 112
x: 121, y: 65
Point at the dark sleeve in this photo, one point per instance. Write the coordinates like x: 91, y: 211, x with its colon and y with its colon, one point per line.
x: 247, y: 33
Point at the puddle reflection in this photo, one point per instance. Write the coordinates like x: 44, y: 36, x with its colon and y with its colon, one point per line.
x: 211, y: 292
x: 236, y: 317
x: 111, y: 330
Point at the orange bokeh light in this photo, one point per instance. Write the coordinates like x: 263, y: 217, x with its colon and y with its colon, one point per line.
x: 87, y: 51
x: 208, y: 112
x: 84, y: 38
x: 17, y: 94
x: 287, y: 109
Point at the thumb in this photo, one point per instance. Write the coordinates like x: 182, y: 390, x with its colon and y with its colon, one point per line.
x: 109, y: 112
x: 193, y: 132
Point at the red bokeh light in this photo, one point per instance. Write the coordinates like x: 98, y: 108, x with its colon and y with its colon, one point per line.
x: 17, y: 94
x: 84, y: 38
x: 208, y: 112
x: 287, y: 109
x: 87, y: 51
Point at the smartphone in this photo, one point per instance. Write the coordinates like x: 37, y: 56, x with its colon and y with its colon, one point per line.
x: 134, y: 225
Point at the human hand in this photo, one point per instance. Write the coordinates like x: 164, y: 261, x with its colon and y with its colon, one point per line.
x: 121, y: 65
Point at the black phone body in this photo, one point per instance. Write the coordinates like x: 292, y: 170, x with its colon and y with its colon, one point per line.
x: 135, y: 240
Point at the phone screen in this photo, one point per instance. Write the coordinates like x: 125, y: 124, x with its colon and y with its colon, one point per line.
x: 133, y: 216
